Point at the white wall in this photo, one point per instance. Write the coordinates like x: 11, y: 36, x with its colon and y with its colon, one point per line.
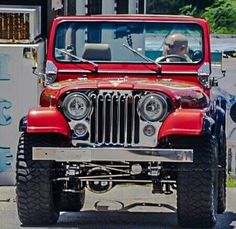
x: 19, y: 91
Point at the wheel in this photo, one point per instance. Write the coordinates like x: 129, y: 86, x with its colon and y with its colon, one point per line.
x: 197, y: 184
x: 36, y: 194
x: 173, y: 57
x: 222, y: 173
x: 72, y: 201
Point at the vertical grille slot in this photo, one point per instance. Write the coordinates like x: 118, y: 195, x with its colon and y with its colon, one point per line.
x: 114, y: 120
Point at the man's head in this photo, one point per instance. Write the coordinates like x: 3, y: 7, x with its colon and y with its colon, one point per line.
x: 175, y: 44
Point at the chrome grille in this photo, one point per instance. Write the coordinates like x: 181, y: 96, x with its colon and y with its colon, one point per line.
x: 114, y: 120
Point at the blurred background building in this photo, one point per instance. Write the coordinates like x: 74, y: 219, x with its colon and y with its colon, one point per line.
x: 24, y: 28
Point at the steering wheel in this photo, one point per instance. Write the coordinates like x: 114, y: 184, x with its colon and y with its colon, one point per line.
x: 164, y: 58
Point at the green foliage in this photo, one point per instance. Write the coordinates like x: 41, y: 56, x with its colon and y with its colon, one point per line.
x: 177, y: 6
x: 221, y: 14
x: 189, y: 10
x: 163, y: 6
x: 231, y: 183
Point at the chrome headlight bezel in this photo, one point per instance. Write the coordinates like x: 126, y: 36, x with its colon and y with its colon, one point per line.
x: 160, y: 100
x: 87, y: 104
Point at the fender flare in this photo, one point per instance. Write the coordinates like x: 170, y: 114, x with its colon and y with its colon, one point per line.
x: 47, y: 120
x: 186, y: 122
x: 23, y: 124
x: 219, y: 120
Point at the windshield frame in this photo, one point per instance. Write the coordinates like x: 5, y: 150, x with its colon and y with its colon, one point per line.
x: 132, y: 62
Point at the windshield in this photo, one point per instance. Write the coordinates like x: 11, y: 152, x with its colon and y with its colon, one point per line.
x: 106, y: 41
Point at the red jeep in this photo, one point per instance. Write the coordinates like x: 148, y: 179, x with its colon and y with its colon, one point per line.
x: 118, y: 108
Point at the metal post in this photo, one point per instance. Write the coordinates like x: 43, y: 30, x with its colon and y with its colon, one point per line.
x: 132, y: 7
x: 145, y: 7
x: 65, y: 7
x: 108, y: 7
x: 81, y: 7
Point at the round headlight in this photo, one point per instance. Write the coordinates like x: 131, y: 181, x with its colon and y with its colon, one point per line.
x: 152, y: 107
x: 76, y: 106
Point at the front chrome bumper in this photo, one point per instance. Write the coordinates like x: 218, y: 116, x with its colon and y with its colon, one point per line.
x: 112, y: 154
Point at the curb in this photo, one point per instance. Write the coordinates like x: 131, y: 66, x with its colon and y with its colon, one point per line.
x: 223, y: 36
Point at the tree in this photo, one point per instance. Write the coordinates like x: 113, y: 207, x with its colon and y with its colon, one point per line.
x: 162, y: 6
x: 175, y: 6
x: 222, y: 16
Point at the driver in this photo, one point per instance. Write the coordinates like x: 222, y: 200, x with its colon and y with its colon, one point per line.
x: 175, y: 49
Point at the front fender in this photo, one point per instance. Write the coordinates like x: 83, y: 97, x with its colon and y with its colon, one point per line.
x: 186, y: 122
x: 47, y: 120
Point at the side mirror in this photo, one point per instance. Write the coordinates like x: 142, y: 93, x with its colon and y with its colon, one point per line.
x: 218, y: 65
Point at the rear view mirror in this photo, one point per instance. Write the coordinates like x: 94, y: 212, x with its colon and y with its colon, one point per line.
x: 123, y: 31
x: 120, y: 32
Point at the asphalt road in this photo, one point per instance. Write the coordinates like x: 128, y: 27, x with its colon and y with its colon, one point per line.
x: 124, y: 207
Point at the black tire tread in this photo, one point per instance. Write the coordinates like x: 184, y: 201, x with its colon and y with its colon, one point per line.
x: 194, y: 184
x: 222, y: 174
x: 34, y: 185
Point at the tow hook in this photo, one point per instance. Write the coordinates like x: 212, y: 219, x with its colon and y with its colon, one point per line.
x: 154, y: 171
x: 157, y: 186
x: 160, y: 187
x: 167, y: 189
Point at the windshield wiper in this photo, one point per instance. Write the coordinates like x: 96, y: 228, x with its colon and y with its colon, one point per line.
x: 78, y: 58
x: 143, y: 57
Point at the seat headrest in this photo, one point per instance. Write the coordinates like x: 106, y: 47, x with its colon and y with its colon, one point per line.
x: 96, y: 51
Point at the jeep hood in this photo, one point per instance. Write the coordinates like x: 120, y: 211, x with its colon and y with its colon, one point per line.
x: 185, y: 94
